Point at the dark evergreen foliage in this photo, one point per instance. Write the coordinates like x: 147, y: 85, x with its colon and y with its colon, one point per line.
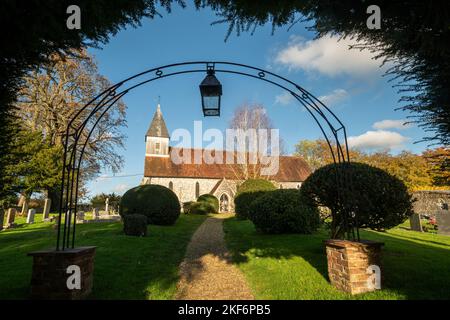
x: 247, y: 192
x: 284, y: 211
x: 159, y: 204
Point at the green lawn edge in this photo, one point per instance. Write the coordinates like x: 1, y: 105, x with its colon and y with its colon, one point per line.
x: 125, y: 267
x: 294, y: 267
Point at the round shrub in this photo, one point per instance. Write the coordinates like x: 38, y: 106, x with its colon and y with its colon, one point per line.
x: 379, y: 199
x: 211, y: 200
x: 135, y: 225
x: 247, y: 192
x: 201, y: 208
x: 187, y: 206
x: 159, y: 204
x: 284, y: 211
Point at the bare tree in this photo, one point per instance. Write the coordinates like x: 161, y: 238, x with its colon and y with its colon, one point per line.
x: 247, y: 120
x: 55, y: 92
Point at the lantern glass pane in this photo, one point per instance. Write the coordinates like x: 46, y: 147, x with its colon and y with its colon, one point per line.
x: 211, y: 102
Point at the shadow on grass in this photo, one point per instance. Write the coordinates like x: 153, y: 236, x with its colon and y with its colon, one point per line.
x: 412, y: 269
x: 125, y: 267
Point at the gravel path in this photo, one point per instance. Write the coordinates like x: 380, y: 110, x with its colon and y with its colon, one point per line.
x: 206, y: 272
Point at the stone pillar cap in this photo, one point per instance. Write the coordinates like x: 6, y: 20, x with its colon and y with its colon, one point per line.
x: 348, y: 243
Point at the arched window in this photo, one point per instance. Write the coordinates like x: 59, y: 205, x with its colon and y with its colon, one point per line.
x: 281, y: 186
x: 197, y: 190
x: 171, y: 185
x: 298, y: 186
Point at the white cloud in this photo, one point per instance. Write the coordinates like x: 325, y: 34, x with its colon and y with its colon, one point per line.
x: 391, y: 124
x: 334, y: 97
x: 284, y: 98
x: 101, y: 178
x: 121, y: 188
x: 379, y: 139
x: 328, y: 56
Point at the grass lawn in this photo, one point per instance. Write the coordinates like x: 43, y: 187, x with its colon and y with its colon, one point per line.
x: 125, y: 267
x: 416, y: 265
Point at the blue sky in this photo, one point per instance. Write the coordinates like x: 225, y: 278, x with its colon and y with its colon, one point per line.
x: 349, y: 82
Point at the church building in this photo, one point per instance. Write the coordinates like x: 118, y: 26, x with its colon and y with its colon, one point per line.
x: 190, y: 180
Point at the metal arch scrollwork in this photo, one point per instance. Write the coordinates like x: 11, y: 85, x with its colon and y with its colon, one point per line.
x: 82, y: 125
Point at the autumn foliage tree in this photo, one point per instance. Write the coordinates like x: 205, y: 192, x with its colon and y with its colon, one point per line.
x: 34, y: 30
x: 417, y: 171
x: 439, y: 165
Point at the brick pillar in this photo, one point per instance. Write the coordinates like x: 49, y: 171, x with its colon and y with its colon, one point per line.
x: 348, y: 263
x: 49, y: 276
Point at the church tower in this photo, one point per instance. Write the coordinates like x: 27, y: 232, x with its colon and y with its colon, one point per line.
x: 157, y: 137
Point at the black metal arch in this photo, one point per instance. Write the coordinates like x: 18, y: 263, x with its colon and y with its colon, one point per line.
x: 74, y: 147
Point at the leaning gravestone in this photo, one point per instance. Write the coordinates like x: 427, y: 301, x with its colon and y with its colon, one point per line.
x: 24, y: 208
x: 95, y: 213
x: 30, y: 216
x: 10, y: 217
x: 414, y: 221
x: 46, y: 212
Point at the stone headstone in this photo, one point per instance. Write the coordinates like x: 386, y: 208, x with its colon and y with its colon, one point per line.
x: 56, y: 219
x: 80, y: 215
x: 107, y: 206
x: 46, y: 212
x: 30, y: 216
x: 443, y: 222
x: 95, y: 213
x: 24, y: 208
x: 10, y: 217
x: 414, y: 221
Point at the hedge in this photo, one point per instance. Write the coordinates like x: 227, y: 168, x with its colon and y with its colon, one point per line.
x: 247, y: 192
x: 211, y: 200
x: 159, y: 204
x: 284, y: 211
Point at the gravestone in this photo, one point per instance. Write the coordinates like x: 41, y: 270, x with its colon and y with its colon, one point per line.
x: 10, y: 216
x: 56, y: 219
x: 30, y: 216
x: 95, y: 213
x: 107, y: 206
x: 443, y: 222
x: 46, y: 212
x: 414, y: 221
x: 24, y: 208
x: 80, y: 215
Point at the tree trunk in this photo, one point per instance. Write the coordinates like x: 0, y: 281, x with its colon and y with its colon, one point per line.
x: 54, y: 195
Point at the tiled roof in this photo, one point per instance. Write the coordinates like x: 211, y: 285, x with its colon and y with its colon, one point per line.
x: 291, y: 168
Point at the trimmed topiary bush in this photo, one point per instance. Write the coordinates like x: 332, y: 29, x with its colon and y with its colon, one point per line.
x: 211, y: 200
x: 379, y: 200
x: 135, y: 225
x: 159, y: 204
x: 187, y: 206
x: 201, y: 208
x: 284, y: 211
x: 247, y: 192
